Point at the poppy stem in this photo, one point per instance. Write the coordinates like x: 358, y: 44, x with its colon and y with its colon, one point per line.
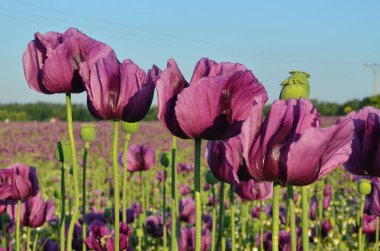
x: 320, y: 212
x: 75, y: 171
x: 377, y: 232
x: 165, y: 242
x: 232, y: 215
x: 197, y: 194
x: 360, y: 237
x: 116, y: 193
x: 63, y: 209
x: 18, y: 225
x: 4, y: 240
x: 28, y: 239
x: 84, y: 181
x: 290, y: 198
x: 213, y: 228
x: 173, y: 210
x: 275, y: 215
x: 305, y: 218
x: 221, y: 216
x: 125, y: 206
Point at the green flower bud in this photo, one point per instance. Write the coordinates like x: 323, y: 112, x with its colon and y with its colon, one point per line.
x: 87, y: 133
x: 296, y: 86
x: 210, y: 178
x: 364, y: 187
x: 263, y: 216
x: 347, y: 109
x: 63, y: 151
x: 130, y: 127
x: 165, y: 159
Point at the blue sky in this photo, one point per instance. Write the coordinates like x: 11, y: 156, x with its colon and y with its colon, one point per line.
x: 329, y: 39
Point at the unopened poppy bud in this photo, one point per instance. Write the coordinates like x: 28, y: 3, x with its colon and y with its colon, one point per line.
x: 210, y: 178
x: 364, y: 187
x: 347, y: 109
x: 130, y: 127
x: 296, y: 86
x: 87, y: 133
x: 263, y: 216
x: 63, y: 151
x: 165, y: 159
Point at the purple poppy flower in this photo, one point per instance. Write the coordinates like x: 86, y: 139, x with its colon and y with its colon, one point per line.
x: 51, y: 61
x: 154, y: 226
x: 100, y: 238
x: 327, y: 191
x: 326, y: 227
x: 187, y: 210
x: 185, y: 167
x: 160, y: 176
x: 283, y: 240
x: 374, y: 197
x: 291, y: 148
x: 133, y: 212
x: 369, y: 223
x: 207, y: 220
x: 313, y: 208
x: 139, y: 158
x: 90, y: 217
x: 34, y: 211
x: 326, y: 202
x: 184, y: 190
x: 187, y: 239
x: 18, y: 182
x: 364, y: 158
x: 48, y: 245
x: 255, y: 212
x: 214, y: 105
x: 118, y: 90
x: 253, y: 190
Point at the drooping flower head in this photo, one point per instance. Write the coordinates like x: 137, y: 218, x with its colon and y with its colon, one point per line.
x: 364, y: 159
x: 291, y: 148
x: 118, y: 90
x: 18, y: 182
x: 51, y: 61
x: 139, y: 158
x: 214, y: 105
x: 34, y: 211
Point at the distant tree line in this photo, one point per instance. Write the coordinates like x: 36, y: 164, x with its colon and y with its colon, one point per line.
x: 42, y: 111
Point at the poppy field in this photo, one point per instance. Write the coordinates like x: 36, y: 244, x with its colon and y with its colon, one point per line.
x: 215, y: 172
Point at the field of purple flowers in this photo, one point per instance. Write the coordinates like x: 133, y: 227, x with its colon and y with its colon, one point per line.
x: 215, y: 173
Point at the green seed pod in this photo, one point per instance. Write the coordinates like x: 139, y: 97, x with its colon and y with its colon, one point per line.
x: 210, y: 178
x: 364, y: 187
x: 87, y: 133
x: 296, y: 86
x: 63, y: 151
x: 165, y: 159
x: 130, y: 127
x: 263, y: 216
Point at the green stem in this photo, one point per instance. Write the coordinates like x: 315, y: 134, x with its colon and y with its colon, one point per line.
x: 360, y: 237
x: 221, y: 216
x: 305, y: 218
x: 261, y: 236
x: 232, y: 214
x: 320, y: 213
x: 116, y: 193
x: 27, y: 239
x: 173, y: 210
x: 35, y: 241
x: 164, y: 211
x: 292, y: 219
x: 377, y: 232
x: 275, y: 215
x: 213, y: 229
x: 18, y: 248
x: 75, y: 172
x: 197, y: 194
x: 63, y: 209
x: 142, y: 186
x: 4, y: 233
x: 125, y: 206
x: 84, y: 181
